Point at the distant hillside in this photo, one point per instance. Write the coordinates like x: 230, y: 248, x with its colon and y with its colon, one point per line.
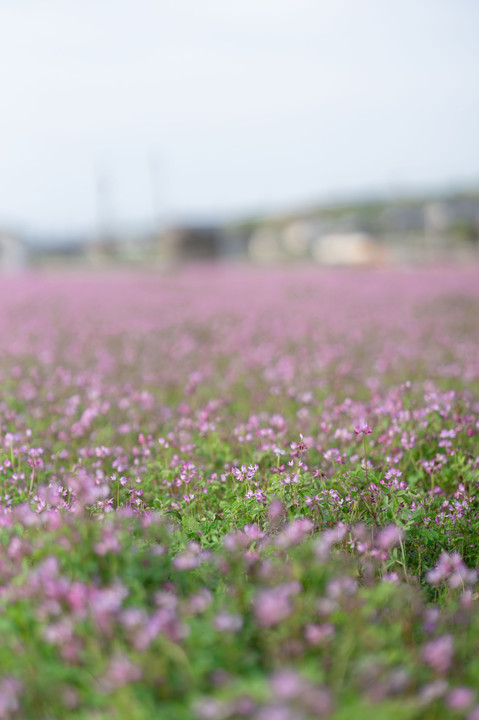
x: 454, y: 212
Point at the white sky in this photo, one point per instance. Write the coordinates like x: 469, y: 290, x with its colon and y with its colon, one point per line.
x: 229, y: 106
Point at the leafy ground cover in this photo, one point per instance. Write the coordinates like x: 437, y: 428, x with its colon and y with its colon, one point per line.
x: 240, y: 494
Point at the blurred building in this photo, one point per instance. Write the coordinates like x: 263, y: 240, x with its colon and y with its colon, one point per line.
x: 353, y: 248
x: 13, y: 253
x: 58, y: 252
x: 189, y: 243
x: 412, y: 231
x: 401, y: 231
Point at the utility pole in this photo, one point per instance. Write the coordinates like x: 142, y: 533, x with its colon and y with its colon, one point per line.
x: 103, y: 205
x: 155, y: 190
x: 105, y: 239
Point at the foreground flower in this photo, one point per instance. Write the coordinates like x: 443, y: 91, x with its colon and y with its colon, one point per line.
x: 272, y: 606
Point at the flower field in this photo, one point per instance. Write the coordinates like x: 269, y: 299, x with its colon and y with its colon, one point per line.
x: 240, y: 493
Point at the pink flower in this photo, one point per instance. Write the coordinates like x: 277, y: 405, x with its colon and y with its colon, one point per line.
x: 120, y: 672
x: 228, y: 622
x: 273, y: 605
x: 10, y: 692
x: 363, y: 429
x: 438, y: 653
x: 390, y: 536
x: 451, y: 569
x: 318, y: 634
x: 474, y: 714
x: 460, y: 698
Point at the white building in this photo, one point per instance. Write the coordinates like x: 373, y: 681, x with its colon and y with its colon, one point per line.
x: 13, y: 253
x: 352, y: 248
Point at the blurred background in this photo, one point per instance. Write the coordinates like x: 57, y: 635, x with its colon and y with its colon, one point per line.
x: 150, y: 132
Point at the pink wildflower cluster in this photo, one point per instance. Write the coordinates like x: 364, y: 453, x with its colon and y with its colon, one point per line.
x: 451, y: 569
x: 222, y: 493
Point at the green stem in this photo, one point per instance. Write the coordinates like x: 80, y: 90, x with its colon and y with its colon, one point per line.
x: 365, y: 458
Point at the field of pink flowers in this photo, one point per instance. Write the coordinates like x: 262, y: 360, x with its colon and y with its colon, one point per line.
x: 240, y: 493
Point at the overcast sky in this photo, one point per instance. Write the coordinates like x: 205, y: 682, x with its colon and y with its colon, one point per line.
x: 117, y: 111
